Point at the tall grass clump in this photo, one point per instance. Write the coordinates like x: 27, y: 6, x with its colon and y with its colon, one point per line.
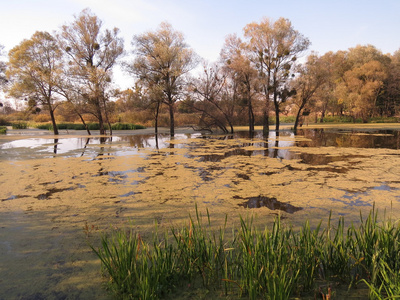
x: 253, y: 263
x: 91, y: 126
x: 137, y: 269
x: 126, y: 126
x: 19, y: 125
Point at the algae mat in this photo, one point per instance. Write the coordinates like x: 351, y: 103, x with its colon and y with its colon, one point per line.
x: 51, y: 206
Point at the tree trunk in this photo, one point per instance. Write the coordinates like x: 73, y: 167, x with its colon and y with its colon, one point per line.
x: 53, y: 120
x: 156, y: 118
x: 106, y: 115
x: 171, y: 118
x: 276, y: 104
x: 251, y: 118
x: 101, y: 122
x: 296, y: 123
x: 265, y: 122
x: 83, y: 122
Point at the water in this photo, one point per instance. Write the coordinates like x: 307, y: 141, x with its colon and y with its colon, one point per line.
x: 33, y: 147
x: 55, y: 191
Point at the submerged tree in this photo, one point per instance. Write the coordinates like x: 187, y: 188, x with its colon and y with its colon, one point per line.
x: 92, y: 53
x: 34, y: 69
x: 275, y: 48
x: 163, y: 58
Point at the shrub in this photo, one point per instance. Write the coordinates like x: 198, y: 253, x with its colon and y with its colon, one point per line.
x: 384, y: 120
x: 4, y: 122
x: 42, y: 118
x: 46, y: 126
x: 3, y: 129
x: 20, y: 125
x: 126, y: 126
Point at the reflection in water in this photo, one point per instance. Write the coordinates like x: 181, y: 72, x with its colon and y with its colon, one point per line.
x: 215, y: 147
x: 351, y: 138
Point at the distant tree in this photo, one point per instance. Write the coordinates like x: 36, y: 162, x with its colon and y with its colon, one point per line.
x: 275, y: 48
x: 34, y: 69
x: 162, y: 60
x: 91, y: 53
x: 237, y: 64
x: 391, y: 99
x: 312, y: 75
x: 361, y: 88
x: 360, y: 55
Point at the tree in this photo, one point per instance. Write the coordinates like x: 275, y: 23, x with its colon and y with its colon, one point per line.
x: 34, y: 69
x: 235, y: 56
x: 92, y: 53
x: 391, y: 103
x: 162, y: 60
x: 207, y: 92
x: 275, y: 48
x: 361, y: 88
x: 311, y: 76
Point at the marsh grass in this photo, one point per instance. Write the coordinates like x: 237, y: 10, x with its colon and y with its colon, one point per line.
x: 91, y: 126
x: 273, y: 263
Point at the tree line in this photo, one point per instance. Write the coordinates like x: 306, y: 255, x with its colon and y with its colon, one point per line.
x: 261, y: 74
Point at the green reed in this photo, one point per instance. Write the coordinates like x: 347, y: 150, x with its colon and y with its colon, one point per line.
x: 274, y: 263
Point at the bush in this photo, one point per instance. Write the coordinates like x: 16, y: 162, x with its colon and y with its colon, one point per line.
x: 339, y: 119
x: 91, y: 126
x: 4, y: 122
x: 42, y: 118
x: 126, y: 126
x: 46, y: 126
x: 3, y: 129
x: 384, y: 120
x: 19, y: 125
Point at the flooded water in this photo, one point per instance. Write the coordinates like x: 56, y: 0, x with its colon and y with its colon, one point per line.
x: 58, y: 193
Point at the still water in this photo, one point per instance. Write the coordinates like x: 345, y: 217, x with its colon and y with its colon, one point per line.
x: 271, y: 146
x: 57, y: 194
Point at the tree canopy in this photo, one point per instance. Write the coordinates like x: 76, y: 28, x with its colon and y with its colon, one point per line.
x: 162, y: 60
x: 261, y: 73
x: 34, y: 70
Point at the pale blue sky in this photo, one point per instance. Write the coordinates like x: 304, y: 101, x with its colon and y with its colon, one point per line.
x: 330, y: 25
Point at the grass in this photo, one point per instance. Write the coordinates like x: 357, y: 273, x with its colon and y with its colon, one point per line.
x: 3, y: 129
x: 275, y: 263
x: 91, y: 126
x: 19, y: 125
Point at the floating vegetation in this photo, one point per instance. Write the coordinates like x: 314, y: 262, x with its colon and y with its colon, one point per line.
x: 275, y: 263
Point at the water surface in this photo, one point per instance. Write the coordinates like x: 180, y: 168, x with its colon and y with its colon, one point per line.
x: 57, y: 193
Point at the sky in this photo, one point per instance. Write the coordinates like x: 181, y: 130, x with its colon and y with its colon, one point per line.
x: 329, y: 25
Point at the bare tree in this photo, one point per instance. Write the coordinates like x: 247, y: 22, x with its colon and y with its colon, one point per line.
x: 208, y: 91
x: 92, y: 53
